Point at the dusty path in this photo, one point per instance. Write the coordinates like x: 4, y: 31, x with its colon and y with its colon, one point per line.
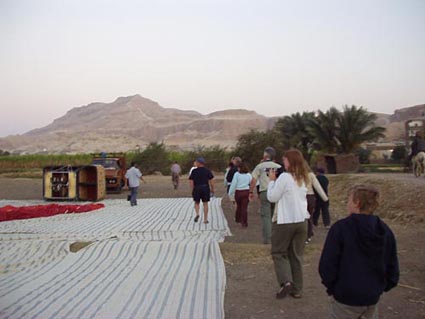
x: 251, y: 281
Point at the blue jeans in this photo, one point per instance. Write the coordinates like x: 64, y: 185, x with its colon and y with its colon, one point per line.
x: 133, y: 195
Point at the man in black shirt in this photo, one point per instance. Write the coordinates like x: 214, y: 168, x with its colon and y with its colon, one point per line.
x: 202, y: 185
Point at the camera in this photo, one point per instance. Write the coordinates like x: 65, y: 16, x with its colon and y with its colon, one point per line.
x: 278, y: 171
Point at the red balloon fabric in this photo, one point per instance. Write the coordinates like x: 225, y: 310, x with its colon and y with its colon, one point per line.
x: 26, y: 212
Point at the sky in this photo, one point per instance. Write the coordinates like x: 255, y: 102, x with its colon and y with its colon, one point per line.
x: 274, y: 57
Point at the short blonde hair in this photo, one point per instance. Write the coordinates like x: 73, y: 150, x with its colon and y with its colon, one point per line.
x: 366, y: 196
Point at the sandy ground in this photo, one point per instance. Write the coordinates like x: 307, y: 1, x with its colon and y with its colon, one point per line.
x: 251, y: 283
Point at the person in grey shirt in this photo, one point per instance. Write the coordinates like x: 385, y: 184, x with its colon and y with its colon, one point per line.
x: 260, y: 173
x: 175, y: 174
x: 133, y: 176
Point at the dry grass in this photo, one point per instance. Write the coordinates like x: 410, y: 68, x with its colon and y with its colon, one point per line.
x: 401, y: 195
x: 21, y: 173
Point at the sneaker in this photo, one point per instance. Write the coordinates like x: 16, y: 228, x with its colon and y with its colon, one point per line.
x: 196, y: 219
x: 284, y: 290
x: 308, y: 241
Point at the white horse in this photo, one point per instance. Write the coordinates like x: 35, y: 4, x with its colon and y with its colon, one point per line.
x: 418, y: 162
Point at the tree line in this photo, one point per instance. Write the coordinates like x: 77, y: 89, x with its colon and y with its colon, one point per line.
x: 332, y: 131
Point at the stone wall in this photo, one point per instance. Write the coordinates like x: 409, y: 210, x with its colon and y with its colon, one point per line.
x: 339, y: 163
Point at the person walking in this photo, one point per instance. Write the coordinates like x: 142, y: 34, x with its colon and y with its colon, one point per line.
x: 322, y: 205
x: 236, y: 161
x: 260, y: 173
x: 175, y: 174
x: 239, y: 192
x: 289, y: 229
x: 225, y: 182
x: 133, y: 176
x: 314, y: 192
x: 202, y: 184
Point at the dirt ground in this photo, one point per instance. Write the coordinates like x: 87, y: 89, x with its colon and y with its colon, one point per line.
x: 251, y: 283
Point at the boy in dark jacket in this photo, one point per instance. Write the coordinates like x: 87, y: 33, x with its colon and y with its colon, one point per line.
x: 359, y: 260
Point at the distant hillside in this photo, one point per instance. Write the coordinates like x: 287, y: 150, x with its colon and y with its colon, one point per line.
x: 135, y: 120
x: 408, y: 113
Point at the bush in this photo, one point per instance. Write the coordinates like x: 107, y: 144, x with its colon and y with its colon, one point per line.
x: 251, y: 145
x: 399, y: 154
x: 216, y: 158
x: 364, y: 155
x: 153, y: 159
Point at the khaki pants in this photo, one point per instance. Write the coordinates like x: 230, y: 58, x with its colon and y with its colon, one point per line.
x: 342, y: 311
x: 288, y: 241
x: 266, y: 210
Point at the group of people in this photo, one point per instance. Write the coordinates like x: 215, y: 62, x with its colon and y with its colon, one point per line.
x: 241, y: 188
x: 359, y: 258
x: 201, y: 183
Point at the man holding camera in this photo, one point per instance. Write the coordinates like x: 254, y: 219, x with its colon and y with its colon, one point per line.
x: 260, y: 173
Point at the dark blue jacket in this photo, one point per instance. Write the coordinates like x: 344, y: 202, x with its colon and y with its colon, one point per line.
x: 359, y: 260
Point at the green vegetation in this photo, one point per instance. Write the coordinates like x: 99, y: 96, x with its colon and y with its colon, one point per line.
x: 333, y: 132
x: 364, y: 155
x: 251, y: 145
x: 383, y: 168
x: 156, y: 158
x: 399, y: 154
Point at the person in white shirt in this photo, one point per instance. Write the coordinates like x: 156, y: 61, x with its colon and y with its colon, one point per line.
x: 314, y: 188
x: 133, y: 176
x: 192, y: 168
x: 289, y: 228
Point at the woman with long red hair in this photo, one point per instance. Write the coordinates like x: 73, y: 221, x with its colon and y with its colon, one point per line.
x: 289, y: 228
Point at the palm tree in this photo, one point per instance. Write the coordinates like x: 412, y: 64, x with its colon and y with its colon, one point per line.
x: 325, y: 130
x: 356, y: 126
x: 294, y: 130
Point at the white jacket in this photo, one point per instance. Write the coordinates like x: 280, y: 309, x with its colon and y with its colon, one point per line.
x: 291, y: 199
x: 315, y: 186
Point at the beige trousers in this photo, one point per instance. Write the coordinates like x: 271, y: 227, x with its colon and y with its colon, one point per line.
x: 342, y: 311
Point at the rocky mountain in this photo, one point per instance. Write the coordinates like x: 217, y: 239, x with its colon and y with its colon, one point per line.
x: 135, y: 120
x: 407, y: 113
x: 131, y: 121
x: 396, y: 130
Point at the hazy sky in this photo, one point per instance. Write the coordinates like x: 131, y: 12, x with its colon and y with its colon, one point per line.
x: 274, y: 57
